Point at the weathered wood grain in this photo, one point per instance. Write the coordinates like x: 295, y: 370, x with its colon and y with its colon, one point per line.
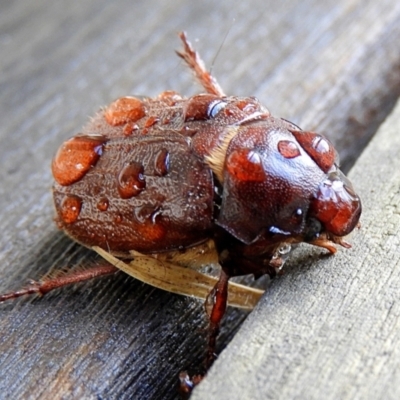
x: 331, y: 66
x: 331, y: 332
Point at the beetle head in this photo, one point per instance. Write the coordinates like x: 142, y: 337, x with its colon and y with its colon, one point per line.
x: 285, y: 183
x: 335, y: 205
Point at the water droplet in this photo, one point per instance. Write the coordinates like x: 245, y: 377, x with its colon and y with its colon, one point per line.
x: 320, y: 144
x: 246, y: 165
x: 215, y: 107
x: 243, y: 104
x: 197, y: 108
x: 123, y: 110
x: 70, y: 209
x: 249, y: 109
x: 229, y: 112
x: 129, y: 128
x: 254, y: 157
x: 103, y: 204
x: 118, y: 218
x: 75, y: 157
x: 149, y: 123
x: 162, y: 163
x: 146, y: 213
x: 318, y: 148
x: 150, y: 227
x: 131, y: 180
x: 169, y: 96
x: 288, y: 149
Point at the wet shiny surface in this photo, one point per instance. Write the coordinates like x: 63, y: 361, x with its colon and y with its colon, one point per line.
x: 131, y: 180
x: 124, y: 109
x: 274, y: 178
x: 75, y: 157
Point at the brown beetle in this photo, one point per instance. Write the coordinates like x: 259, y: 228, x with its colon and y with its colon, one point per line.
x: 173, y: 181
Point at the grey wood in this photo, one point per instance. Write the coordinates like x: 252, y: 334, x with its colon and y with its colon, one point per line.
x: 331, y: 66
x: 329, y: 330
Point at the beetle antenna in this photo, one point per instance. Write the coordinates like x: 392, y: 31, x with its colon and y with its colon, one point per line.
x: 221, y: 45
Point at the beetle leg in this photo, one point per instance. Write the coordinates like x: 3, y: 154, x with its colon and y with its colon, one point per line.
x: 215, y: 305
x: 49, y: 283
x: 194, y: 61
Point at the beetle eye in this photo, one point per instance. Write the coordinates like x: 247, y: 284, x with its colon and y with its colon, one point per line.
x: 313, y: 229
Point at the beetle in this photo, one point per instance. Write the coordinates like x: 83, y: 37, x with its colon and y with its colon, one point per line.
x: 168, y: 182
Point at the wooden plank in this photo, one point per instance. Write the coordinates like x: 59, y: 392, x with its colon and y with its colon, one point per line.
x: 331, y: 66
x: 331, y: 332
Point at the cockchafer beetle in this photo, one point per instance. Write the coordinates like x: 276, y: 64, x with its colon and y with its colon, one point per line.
x: 165, y: 183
